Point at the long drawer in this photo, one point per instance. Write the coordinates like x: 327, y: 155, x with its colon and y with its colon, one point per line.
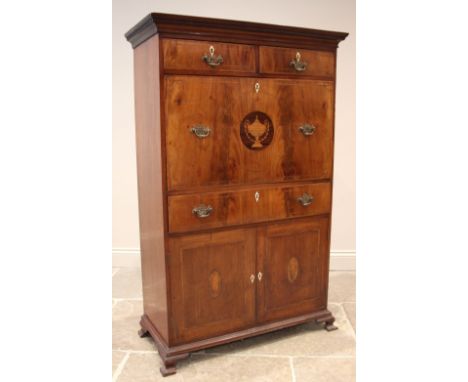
x: 200, y: 211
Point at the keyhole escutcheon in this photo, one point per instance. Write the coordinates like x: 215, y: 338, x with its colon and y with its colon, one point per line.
x: 257, y: 87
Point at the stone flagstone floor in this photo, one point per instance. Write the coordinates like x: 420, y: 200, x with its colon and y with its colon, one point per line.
x: 303, y: 353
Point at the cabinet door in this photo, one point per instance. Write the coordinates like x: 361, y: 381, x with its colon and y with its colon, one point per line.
x: 293, y: 263
x: 212, y: 291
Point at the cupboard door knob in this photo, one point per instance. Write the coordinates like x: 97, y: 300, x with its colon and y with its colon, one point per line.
x: 202, y: 211
x: 305, y: 199
x: 297, y: 64
x: 211, y: 60
x: 201, y: 131
x: 260, y: 275
x: 307, y: 129
x: 252, y: 278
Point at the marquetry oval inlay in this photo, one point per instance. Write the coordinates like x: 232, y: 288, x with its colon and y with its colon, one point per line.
x: 215, y: 283
x: 256, y: 130
x: 293, y: 269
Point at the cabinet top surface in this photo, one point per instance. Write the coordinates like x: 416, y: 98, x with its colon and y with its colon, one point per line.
x: 191, y: 27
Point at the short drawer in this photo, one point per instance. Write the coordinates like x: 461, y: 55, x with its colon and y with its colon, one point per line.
x: 185, y: 56
x: 219, y: 209
x: 275, y: 60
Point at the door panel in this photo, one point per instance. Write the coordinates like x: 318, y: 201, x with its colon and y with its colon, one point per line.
x: 211, y: 289
x: 215, y: 154
x: 293, y: 261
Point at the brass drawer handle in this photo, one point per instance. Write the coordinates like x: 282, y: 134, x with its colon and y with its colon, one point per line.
x: 297, y: 64
x: 201, y: 131
x: 260, y: 275
x: 211, y: 59
x: 202, y: 211
x: 307, y: 129
x: 305, y: 199
x: 252, y: 278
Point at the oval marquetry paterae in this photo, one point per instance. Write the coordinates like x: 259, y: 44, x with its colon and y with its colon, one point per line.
x: 215, y: 283
x: 293, y: 269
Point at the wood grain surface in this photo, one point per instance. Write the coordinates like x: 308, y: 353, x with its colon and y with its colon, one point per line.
x: 150, y: 175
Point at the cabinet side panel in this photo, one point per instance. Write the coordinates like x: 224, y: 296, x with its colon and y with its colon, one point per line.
x: 150, y: 183
x: 327, y: 270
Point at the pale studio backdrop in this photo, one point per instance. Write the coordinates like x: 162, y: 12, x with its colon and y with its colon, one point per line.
x: 336, y: 15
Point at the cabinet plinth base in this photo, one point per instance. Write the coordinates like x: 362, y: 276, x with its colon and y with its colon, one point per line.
x: 169, y: 358
x: 171, y: 355
x: 143, y: 333
x: 169, y: 363
x: 330, y: 327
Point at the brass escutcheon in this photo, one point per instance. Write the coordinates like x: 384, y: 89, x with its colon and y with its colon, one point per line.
x: 211, y: 60
x: 297, y: 64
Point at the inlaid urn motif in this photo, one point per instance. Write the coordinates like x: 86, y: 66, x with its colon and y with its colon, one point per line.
x: 256, y: 130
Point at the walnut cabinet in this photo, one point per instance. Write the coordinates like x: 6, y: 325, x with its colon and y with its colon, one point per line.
x: 234, y: 135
